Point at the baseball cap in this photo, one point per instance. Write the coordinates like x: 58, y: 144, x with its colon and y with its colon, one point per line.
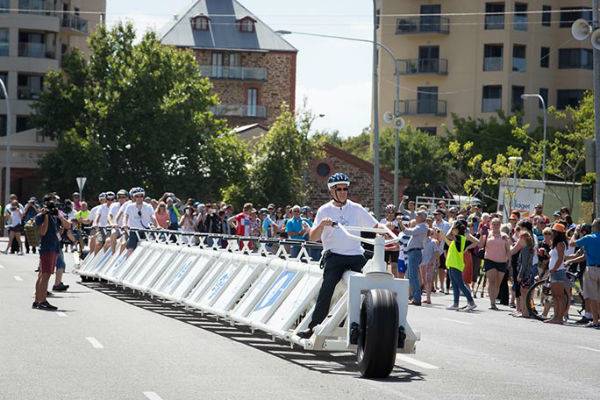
x: 559, y: 228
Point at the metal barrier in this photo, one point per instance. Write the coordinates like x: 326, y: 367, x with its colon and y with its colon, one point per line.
x: 246, y: 284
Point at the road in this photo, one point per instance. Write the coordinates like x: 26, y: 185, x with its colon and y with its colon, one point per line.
x: 109, y: 344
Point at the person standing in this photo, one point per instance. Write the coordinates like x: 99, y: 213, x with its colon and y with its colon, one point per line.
x: 392, y: 251
x: 340, y: 253
x: 13, y: 217
x: 413, y: 252
x: 296, y: 228
x: 29, y: 213
x: 48, y: 221
x: 496, y: 247
x: 558, y: 273
x: 591, y: 277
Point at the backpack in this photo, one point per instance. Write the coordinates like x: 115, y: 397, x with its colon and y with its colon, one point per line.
x: 32, y: 233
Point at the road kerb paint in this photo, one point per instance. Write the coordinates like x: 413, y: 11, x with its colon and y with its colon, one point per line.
x: 457, y: 321
x: 18, y: 278
x: 152, y: 396
x: 416, y: 362
x: 588, y: 348
x: 94, y: 342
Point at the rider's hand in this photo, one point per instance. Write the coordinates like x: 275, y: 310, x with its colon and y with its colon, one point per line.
x: 326, y: 222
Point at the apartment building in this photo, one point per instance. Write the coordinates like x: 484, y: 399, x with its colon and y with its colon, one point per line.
x: 483, y: 60
x: 34, y: 35
x: 252, y: 69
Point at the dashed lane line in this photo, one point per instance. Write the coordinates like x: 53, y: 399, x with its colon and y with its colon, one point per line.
x: 94, y: 342
x: 18, y: 278
x: 416, y: 362
x: 152, y: 396
x: 457, y: 321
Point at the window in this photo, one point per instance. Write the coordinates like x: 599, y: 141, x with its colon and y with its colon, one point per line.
x: 492, y: 98
x: 520, y: 18
x: 432, y: 130
x: 23, y: 123
x: 429, y: 59
x: 568, y: 15
x: 427, y: 100
x: 492, y: 57
x: 575, y: 59
x: 519, y: 62
x: 517, y: 101
x: 4, y: 6
x: 252, y: 102
x: 546, y: 16
x: 234, y: 59
x: 545, y: 57
x: 568, y: 97
x: 29, y: 87
x: 430, y: 23
x: 544, y: 93
x: 200, y: 23
x: 246, y: 24
x: 217, y: 65
x: 2, y: 125
x: 494, y: 15
x: 4, y: 38
x: 323, y: 170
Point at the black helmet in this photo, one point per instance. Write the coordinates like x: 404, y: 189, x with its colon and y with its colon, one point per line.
x: 337, y: 178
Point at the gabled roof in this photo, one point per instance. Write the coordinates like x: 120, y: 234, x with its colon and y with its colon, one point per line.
x: 223, y: 32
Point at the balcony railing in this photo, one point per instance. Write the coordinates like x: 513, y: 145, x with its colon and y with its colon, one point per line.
x: 493, y: 63
x: 239, y: 110
x: 415, y: 107
x: 242, y: 73
x: 39, y: 7
x: 75, y: 22
x: 27, y: 93
x: 35, y: 50
x: 494, y: 22
x: 423, y: 24
x: 424, y: 66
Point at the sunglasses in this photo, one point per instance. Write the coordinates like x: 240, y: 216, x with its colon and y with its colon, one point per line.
x: 548, y: 234
x: 341, y: 189
x: 138, y: 196
x: 139, y: 213
x: 121, y: 196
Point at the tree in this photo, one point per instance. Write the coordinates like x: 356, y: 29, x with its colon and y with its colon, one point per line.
x: 135, y: 114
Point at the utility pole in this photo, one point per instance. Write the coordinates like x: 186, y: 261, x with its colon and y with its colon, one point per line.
x: 596, y: 52
x: 397, y: 129
x: 7, y: 155
x: 375, y: 116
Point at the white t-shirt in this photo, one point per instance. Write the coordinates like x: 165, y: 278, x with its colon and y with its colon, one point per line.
x: 351, y: 214
x: 102, y: 215
x: 15, y: 216
x: 121, y: 220
x: 113, y: 211
x: 139, y: 217
x: 93, y: 213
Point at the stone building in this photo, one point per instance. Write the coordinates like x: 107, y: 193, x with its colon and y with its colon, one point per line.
x: 252, y: 69
x: 360, y: 173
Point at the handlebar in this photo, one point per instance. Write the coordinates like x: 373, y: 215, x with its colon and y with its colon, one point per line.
x: 378, y: 230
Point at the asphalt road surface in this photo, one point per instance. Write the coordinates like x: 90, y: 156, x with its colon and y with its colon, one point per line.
x: 109, y: 344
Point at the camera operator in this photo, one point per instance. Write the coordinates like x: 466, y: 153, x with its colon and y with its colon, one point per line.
x: 49, y: 222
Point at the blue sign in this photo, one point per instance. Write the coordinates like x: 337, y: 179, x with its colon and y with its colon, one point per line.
x: 219, y: 285
x: 282, y: 282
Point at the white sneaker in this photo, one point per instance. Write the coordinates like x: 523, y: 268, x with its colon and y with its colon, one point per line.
x: 452, y: 307
x: 471, y: 307
x: 20, y: 253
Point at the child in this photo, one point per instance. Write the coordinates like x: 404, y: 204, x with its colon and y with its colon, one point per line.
x: 428, y: 263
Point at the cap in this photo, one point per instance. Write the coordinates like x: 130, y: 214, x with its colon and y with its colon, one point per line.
x: 263, y: 211
x: 559, y: 228
x: 75, y: 194
x: 422, y: 214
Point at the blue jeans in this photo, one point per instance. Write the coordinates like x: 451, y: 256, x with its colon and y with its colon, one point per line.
x: 458, y: 285
x: 414, y: 258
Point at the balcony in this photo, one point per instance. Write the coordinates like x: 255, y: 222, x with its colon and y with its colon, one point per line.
x: 423, y: 24
x: 35, y: 50
x: 239, y: 110
x: 424, y: 66
x: 75, y: 24
x: 241, y: 73
x: 423, y: 107
x: 493, y: 63
x: 39, y: 7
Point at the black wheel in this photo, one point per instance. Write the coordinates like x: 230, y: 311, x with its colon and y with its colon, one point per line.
x: 378, y: 337
x: 540, y: 301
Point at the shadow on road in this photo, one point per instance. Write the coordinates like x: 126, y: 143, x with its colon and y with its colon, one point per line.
x: 340, y: 363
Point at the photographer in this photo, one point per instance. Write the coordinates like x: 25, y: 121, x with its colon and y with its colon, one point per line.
x: 49, y: 222
x: 13, y: 217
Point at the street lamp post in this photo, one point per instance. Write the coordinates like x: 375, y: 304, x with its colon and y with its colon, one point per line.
x: 540, y: 98
x: 516, y: 161
x: 376, y: 173
x: 7, y: 155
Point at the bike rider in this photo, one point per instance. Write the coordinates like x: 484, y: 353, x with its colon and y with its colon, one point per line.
x: 339, y: 252
x: 138, y: 215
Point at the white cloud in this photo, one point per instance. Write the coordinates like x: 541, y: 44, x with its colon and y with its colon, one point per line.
x: 347, y: 107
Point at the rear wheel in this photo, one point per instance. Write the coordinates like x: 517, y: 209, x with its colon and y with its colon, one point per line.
x: 378, y: 338
x: 540, y: 301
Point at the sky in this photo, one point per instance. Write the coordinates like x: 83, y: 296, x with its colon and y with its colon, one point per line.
x: 334, y: 76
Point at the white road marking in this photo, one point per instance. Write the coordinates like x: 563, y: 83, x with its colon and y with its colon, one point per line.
x: 60, y: 314
x: 457, y: 321
x: 18, y: 278
x: 416, y: 362
x: 152, y: 396
x: 94, y: 342
x: 588, y: 348
x: 1, y: 266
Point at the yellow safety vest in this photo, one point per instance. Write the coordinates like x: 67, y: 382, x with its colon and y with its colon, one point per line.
x: 455, y: 258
